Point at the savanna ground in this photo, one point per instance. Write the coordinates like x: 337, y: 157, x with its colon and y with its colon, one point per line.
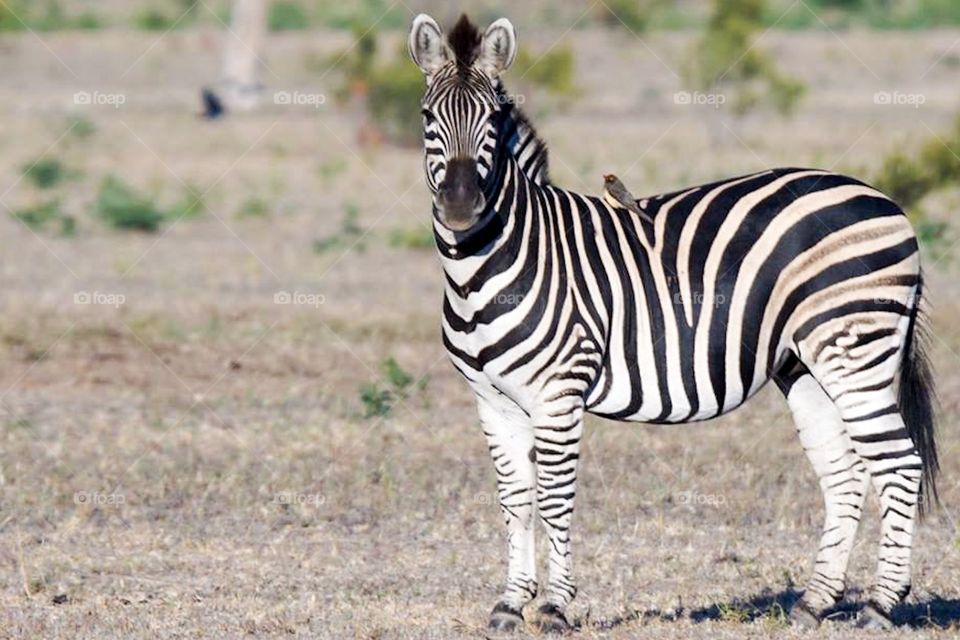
x: 196, y: 461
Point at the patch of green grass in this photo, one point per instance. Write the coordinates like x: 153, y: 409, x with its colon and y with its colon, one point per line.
x: 379, y: 398
x: 38, y: 216
x: 286, y: 15
x: 121, y: 207
x: 80, y: 127
x: 376, y: 401
x: 155, y: 19
x: 418, y: 238
x: 253, y: 207
x: 190, y: 205
x: 45, y: 173
x: 346, y: 237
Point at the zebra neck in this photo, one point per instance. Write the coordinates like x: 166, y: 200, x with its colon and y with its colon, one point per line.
x: 522, y: 142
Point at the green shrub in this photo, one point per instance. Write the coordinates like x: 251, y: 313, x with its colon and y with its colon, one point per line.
x: 379, y: 399
x: 394, y: 101
x: 633, y: 15
x: 286, y: 15
x: 725, y: 59
x: 38, y: 216
x: 121, y: 207
x: 347, y: 15
x: 45, y: 172
x: 907, y: 179
x: 11, y: 12
x: 376, y: 402
x: 154, y: 19
x: 554, y: 70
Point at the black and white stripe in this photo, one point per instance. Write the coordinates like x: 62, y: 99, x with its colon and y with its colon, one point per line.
x: 558, y: 304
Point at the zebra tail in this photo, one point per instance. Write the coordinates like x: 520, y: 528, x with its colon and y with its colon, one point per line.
x: 918, y: 402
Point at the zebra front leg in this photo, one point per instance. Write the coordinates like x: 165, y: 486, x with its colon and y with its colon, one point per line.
x: 510, y: 439
x: 558, y: 429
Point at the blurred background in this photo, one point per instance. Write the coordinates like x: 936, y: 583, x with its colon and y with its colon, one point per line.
x: 224, y: 404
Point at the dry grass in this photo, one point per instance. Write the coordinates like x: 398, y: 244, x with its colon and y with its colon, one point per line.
x: 240, y: 491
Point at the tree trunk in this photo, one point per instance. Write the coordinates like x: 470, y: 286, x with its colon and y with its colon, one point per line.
x: 242, y: 90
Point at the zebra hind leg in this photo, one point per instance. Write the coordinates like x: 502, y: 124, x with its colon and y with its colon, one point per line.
x: 860, y: 378
x: 843, y: 479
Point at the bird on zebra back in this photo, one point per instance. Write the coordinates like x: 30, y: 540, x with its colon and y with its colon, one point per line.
x: 615, y: 194
x: 556, y: 304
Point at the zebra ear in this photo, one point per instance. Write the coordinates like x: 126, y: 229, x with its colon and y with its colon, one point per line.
x: 498, y: 48
x: 427, y: 47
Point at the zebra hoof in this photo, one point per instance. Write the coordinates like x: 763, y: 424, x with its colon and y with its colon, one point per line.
x: 552, y: 620
x: 504, y: 618
x: 873, y: 619
x: 803, y: 616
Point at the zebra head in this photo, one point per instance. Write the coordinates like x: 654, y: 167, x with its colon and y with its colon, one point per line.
x: 461, y: 111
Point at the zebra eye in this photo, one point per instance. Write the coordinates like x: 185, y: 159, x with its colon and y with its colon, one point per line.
x: 428, y: 118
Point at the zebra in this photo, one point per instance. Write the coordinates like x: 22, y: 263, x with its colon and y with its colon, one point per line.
x: 557, y: 304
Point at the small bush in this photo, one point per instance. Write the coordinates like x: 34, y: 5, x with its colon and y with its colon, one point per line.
x: 376, y: 402
x: 379, y: 399
x: 11, y: 12
x: 554, y: 71
x: 286, y: 15
x: 120, y: 207
x: 37, y: 217
x: 726, y: 57
x: 633, y: 15
x: 45, y: 172
x: 394, y: 101
x: 153, y: 19
x: 907, y: 179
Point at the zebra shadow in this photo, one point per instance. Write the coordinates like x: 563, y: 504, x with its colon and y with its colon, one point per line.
x: 932, y: 611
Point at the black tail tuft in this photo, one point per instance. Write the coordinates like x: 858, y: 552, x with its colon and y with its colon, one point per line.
x: 918, y: 403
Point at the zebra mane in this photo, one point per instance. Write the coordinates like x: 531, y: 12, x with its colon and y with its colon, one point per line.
x: 523, y: 141
x: 464, y: 40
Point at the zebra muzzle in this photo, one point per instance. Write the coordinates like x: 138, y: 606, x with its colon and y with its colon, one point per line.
x: 459, y: 198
